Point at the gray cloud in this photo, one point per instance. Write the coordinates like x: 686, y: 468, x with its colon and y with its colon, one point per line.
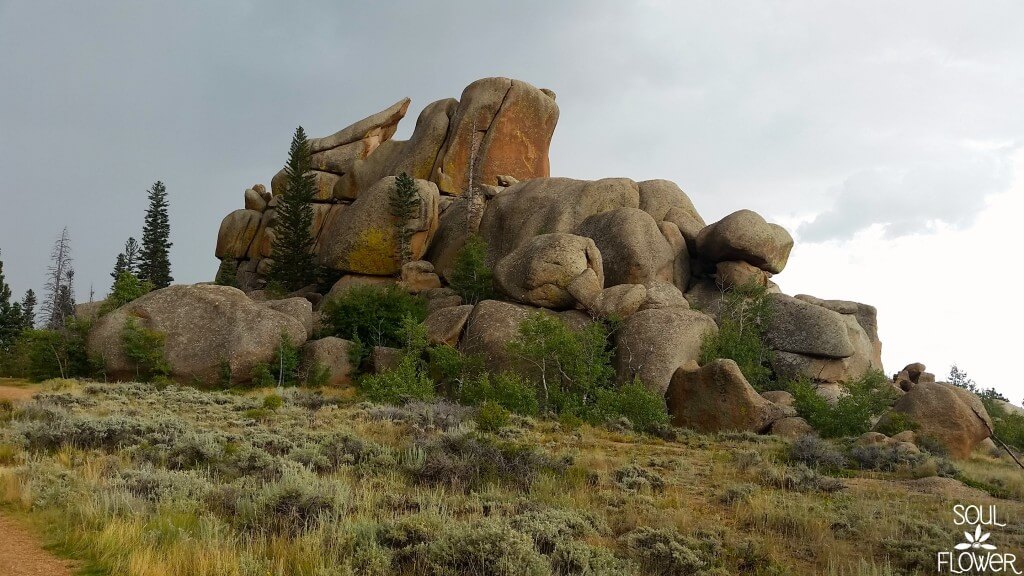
x: 783, y: 107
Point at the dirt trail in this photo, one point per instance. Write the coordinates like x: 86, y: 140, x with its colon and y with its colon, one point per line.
x: 14, y: 393
x: 21, y: 554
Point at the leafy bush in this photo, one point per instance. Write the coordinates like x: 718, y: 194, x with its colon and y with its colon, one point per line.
x: 886, y: 457
x: 292, y: 504
x: 578, y: 558
x: 666, y: 552
x: 816, y: 453
x: 852, y: 414
x: 45, y: 354
x: 1008, y: 426
x: 487, y: 547
x: 644, y: 409
x: 742, y: 321
x: 567, y: 366
x: 468, y: 463
x: 491, y: 417
x: 144, y: 348
x: 633, y: 478
x: 372, y: 315
x: 471, y: 277
x: 506, y: 389
x: 799, y: 478
x: 553, y: 527
x: 262, y: 377
x: 284, y: 368
x: 408, y: 381
x: 894, y: 423
x: 127, y: 287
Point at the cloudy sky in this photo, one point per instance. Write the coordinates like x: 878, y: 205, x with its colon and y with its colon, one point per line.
x: 887, y: 136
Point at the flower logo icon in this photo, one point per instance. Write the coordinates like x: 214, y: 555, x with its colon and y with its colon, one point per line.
x: 976, y: 541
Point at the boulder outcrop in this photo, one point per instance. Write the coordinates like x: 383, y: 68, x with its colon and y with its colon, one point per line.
x: 717, y: 398
x: 953, y: 416
x: 653, y: 343
x: 745, y: 235
x: 203, y: 326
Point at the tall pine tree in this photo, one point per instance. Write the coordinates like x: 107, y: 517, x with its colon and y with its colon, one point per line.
x: 404, y: 205
x: 28, y: 309
x: 11, y: 320
x: 154, y: 258
x: 127, y: 261
x: 292, y: 249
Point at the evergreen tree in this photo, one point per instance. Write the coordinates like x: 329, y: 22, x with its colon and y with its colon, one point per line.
x: 131, y: 255
x: 120, y: 267
x: 154, y: 257
x: 28, y: 309
x: 227, y: 273
x: 292, y: 250
x: 59, y: 278
x: 404, y: 204
x: 11, y: 319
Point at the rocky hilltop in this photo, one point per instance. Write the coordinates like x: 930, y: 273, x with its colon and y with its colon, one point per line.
x: 639, y: 252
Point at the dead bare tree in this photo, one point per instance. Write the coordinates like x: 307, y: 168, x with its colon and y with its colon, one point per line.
x: 59, y: 278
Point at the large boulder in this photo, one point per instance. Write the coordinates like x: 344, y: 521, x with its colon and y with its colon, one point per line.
x: 635, y: 249
x: 548, y: 205
x: 952, y: 416
x: 445, y: 325
x: 805, y: 328
x: 665, y: 201
x: 717, y: 398
x: 237, y: 231
x: 493, y: 324
x: 653, y: 343
x: 540, y: 272
x: 331, y: 354
x: 745, y: 235
x: 866, y: 315
x: 451, y: 236
x: 790, y: 365
x: 363, y: 238
x: 501, y: 126
x: 297, y: 307
x: 203, y: 325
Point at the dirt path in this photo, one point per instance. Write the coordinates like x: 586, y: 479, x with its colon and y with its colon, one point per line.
x: 21, y: 554
x: 14, y: 393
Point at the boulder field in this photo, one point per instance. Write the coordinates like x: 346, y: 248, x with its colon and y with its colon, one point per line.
x: 580, y: 250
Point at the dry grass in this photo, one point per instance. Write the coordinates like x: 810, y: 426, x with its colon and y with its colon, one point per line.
x: 709, y: 485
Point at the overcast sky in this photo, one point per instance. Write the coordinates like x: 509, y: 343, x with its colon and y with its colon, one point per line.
x: 886, y: 136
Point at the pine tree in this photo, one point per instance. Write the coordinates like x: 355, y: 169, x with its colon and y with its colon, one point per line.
x: 59, y: 276
x: 28, y: 309
x: 120, y: 267
x: 292, y: 250
x: 154, y: 257
x: 131, y: 256
x: 404, y: 204
x: 11, y: 320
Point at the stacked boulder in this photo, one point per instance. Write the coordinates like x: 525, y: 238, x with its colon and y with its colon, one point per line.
x: 499, y: 127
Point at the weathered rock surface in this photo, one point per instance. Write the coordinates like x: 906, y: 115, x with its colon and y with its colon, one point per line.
x: 506, y: 125
x: 716, y: 398
x: 297, y: 307
x: 791, y: 427
x: 445, y: 326
x: 418, y: 276
x: 204, y: 325
x: 348, y: 281
x: 540, y: 271
x: 493, y: 324
x: 665, y: 201
x: 804, y: 328
x: 735, y: 273
x: 331, y: 354
x: 653, y: 343
x: 363, y: 238
x: 744, y: 235
x: 663, y: 295
x: 619, y: 301
x: 633, y: 247
x: 951, y: 415
x: 236, y: 233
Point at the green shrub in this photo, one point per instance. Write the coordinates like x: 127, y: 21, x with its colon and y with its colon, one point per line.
x: 145, y: 349
x: 272, y: 402
x: 742, y: 322
x: 894, y: 423
x: 553, y: 527
x: 1008, y: 426
x: 644, y: 409
x: 127, y: 287
x: 45, y: 354
x: 491, y: 417
x: 799, y: 478
x: 262, y: 377
x: 885, y: 457
x: 567, y: 367
x: 633, y: 478
x: 579, y: 558
x: 816, y: 453
x: 488, y: 547
x: 224, y: 374
x: 665, y: 552
x: 285, y: 366
x: 471, y: 277
x: 852, y: 414
x: 373, y: 315
x: 506, y: 389
x: 408, y: 381
x: 292, y: 504
x: 468, y: 463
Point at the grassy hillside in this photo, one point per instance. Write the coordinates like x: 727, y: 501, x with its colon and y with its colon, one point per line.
x: 145, y: 481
